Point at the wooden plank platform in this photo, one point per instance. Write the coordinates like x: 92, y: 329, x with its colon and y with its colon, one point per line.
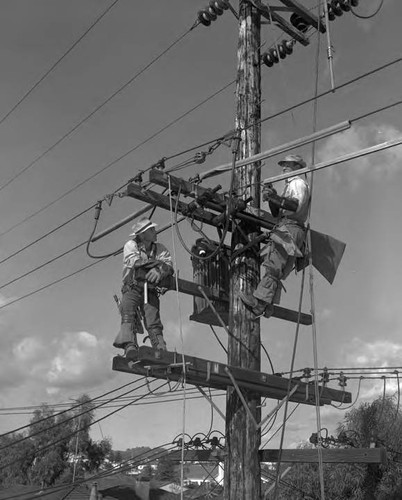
x: 329, y: 455
x: 168, y: 365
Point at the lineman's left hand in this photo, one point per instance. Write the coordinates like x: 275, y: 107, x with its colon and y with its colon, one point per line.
x: 153, y: 275
x: 267, y: 192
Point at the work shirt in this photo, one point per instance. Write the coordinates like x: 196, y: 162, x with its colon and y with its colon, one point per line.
x: 297, y: 188
x: 135, y: 255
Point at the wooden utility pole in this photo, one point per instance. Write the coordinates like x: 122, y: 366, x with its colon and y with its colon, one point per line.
x: 242, y: 464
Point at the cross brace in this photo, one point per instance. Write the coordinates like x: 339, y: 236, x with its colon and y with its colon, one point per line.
x: 329, y: 455
x: 272, y: 15
x: 205, y: 373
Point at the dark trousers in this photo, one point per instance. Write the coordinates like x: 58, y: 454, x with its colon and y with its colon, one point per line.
x: 133, y: 298
x: 278, y: 264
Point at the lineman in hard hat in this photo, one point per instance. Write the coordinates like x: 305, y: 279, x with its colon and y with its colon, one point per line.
x: 146, y: 263
x: 286, y: 240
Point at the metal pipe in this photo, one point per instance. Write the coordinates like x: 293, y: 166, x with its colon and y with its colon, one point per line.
x: 340, y: 159
x: 321, y: 134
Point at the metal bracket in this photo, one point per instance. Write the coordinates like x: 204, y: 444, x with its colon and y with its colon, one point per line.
x: 272, y: 16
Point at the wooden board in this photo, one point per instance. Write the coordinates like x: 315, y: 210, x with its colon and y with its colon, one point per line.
x: 329, y: 455
x: 205, y: 373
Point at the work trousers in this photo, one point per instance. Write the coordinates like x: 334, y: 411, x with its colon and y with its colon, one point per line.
x: 132, y: 299
x: 278, y: 264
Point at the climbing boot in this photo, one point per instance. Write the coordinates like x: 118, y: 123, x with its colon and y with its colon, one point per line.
x: 130, y: 348
x: 157, y: 341
x: 126, y: 334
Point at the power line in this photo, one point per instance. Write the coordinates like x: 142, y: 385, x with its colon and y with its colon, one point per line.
x: 92, y: 113
x: 42, y: 265
x: 365, y: 115
x: 18, y: 299
x: 116, y: 160
x: 70, y: 408
x: 47, y: 234
x: 149, y: 138
x: 168, y: 398
x: 53, y: 67
x: 291, y: 108
x: 49, y: 445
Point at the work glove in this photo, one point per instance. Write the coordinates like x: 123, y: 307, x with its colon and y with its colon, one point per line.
x: 267, y: 191
x: 153, y: 275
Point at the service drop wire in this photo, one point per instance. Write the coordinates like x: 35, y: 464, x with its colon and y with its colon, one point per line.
x: 75, y: 416
x: 124, y: 466
x: 49, y: 445
x: 69, y: 409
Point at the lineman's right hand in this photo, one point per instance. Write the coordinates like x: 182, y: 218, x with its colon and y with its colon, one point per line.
x: 153, y: 275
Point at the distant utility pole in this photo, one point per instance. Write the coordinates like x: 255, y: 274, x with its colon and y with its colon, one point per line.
x: 242, y: 464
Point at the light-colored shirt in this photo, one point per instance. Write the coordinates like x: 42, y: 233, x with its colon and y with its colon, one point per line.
x: 135, y: 255
x: 297, y: 188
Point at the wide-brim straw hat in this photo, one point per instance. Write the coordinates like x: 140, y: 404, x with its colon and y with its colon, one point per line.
x: 295, y: 161
x: 141, y: 226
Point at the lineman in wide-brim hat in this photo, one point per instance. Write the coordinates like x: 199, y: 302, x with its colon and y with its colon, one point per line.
x: 146, y: 263
x: 286, y: 240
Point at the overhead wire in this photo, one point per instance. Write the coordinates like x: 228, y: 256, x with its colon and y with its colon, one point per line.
x: 164, y: 399
x: 90, y: 265
x: 158, y: 452
x: 116, y: 160
x: 349, y: 82
x: 352, y: 120
x: 71, y: 418
x: 272, y: 116
x: 97, y: 108
x: 54, y: 66
x: 49, y: 445
x: 65, y: 411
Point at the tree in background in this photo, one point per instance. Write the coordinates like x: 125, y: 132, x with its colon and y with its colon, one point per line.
x: 378, y: 423
x: 50, y: 435
x: 55, y: 448
x: 15, y: 461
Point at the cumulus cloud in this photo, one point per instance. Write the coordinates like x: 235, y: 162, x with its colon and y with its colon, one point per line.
x: 380, y: 353
x: 374, y: 166
x: 38, y: 368
x: 79, y: 358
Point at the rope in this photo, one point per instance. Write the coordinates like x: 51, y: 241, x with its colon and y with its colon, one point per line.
x: 173, y: 222
x: 311, y: 273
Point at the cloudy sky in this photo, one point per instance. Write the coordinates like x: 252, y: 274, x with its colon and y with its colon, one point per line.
x: 56, y: 343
